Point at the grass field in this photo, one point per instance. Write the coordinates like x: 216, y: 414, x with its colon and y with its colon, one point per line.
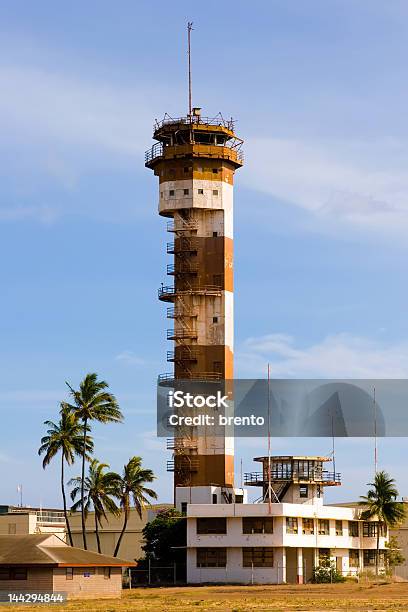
x: 310, y: 598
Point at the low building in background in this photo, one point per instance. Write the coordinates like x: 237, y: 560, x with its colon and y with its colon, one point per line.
x: 283, y: 536
x: 18, y: 520
x: 45, y: 563
x: 109, y: 532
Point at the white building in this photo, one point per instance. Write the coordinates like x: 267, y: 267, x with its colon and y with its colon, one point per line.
x: 276, y: 541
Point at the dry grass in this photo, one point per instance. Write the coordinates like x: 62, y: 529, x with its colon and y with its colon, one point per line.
x: 310, y: 598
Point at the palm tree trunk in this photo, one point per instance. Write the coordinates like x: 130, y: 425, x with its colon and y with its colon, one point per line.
x: 115, y: 554
x: 377, y: 556
x: 82, y: 488
x: 98, y: 542
x: 64, y: 499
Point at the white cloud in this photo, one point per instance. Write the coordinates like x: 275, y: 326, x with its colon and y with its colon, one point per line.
x: 336, y: 356
x: 130, y: 358
x: 40, y: 105
x: 363, y: 183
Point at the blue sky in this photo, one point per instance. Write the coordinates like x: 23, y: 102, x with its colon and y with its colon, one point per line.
x: 320, y: 93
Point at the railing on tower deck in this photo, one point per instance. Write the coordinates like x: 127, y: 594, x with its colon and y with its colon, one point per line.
x: 183, y: 354
x: 254, y: 478
x: 182, y: 226
x: 176, y: 313
x: 169, y: 377
x: 157, y: 150
x: 181, y: 334
x: 218, y: 121
x: 167, y: 294
x: 182, y: 268
x: 185, y: 244
x: 180, y: 444
x: 184, y: 464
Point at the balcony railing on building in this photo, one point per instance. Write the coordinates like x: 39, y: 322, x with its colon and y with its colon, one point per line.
x: 183, y: 354
x: 259, y: 478
x: 169, y: 293
x: 182, y: 268
x: 183, y: 464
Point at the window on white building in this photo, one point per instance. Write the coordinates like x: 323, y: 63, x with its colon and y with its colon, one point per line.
x: 339, y: 528
x: 303, y: 491
x: 370, y: 555
x: 324, y: 554
x: 324, y: 527
x: 257, y: 557
x: 201, y: 192
x: 208, y: 525
x: 186, y: 191
x: 291, y: 524
x: 370, y: 529
x: 257, y: 525
x: 215, y: 192
x: 354, y: 558
x: 171, y: 193
x: 211, y: 557
x: 308, y: 526
x: 353, y: 529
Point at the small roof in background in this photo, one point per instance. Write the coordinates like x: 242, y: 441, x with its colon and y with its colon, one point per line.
x: 49, y: 550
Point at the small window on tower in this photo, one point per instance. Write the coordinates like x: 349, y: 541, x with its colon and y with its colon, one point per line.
x: 303, y: 491
x: 172, y: 172
x: 215, y: 319
x: 171, y: 193
x: 186, y: 191
x: 201, y: 192
x: 215, y: 234
x: 215, y: 192
x: 186, y: 169
x: 161, y: 195
x: 215, y: 170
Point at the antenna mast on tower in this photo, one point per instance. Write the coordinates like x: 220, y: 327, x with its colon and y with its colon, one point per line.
x: 189, y: 28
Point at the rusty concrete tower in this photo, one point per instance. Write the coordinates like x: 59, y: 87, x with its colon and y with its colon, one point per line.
x: 195, y: 159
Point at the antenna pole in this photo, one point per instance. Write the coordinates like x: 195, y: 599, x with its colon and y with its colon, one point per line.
x: 375, y: 435
x: 189, y: 28
x: 269, y: 442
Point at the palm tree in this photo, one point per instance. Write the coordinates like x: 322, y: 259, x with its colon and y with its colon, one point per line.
x: 98, y: 487
x: 130, y: 488
x: 380, y: 503
x: 92, y: 403
x: 66, y: 437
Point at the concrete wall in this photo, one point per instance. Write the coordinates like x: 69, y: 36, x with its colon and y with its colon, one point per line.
x: 235, y: 572
x: 84, y: 586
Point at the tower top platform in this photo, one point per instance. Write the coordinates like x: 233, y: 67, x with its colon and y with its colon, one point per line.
x: 195, y: 136
x: 299, y: 469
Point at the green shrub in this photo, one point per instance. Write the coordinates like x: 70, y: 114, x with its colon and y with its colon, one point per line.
x: 326, y: 572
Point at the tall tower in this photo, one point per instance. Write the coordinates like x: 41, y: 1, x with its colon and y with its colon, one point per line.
x: 195, y: 159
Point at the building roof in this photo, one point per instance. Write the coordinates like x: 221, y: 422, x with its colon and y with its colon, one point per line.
x: 46, y: 550
x: 293, y: 457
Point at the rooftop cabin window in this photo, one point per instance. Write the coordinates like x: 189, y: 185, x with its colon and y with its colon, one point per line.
x: 211, y: 525
x: 257, y: 525
x: 280, y: 470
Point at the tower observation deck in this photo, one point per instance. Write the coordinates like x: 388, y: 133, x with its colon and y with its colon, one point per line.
x: 195, y: 159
